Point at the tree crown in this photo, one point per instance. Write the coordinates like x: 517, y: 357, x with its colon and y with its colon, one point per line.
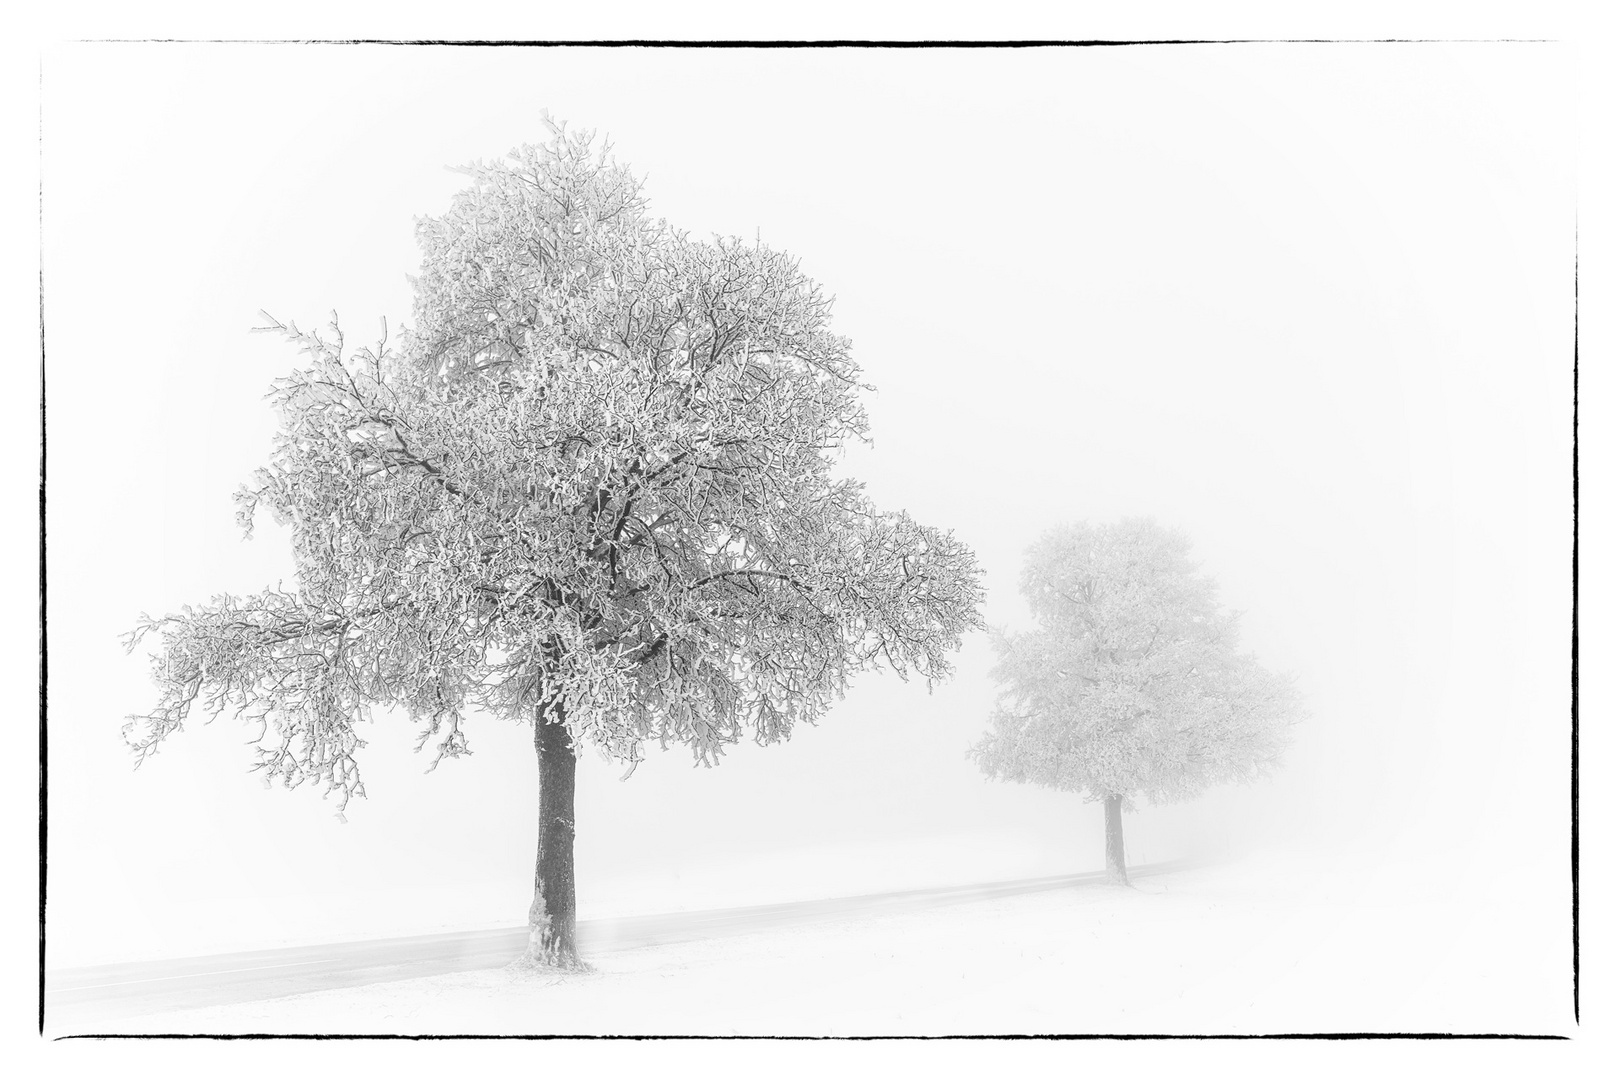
x: 594, y: 482
x: 1131, y: 685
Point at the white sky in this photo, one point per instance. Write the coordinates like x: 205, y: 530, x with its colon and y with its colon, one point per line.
x: 1310, y: 303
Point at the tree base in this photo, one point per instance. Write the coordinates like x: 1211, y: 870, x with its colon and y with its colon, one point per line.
x: 523, y: 971
x: 551, y: 952
x: 536, y: 960
x: 528, y: 963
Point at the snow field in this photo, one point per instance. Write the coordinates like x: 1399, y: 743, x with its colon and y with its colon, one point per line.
x: 1258, y: 946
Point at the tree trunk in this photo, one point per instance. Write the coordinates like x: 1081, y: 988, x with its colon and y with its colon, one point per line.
x: 551, y: 916
x: 1113, y: 807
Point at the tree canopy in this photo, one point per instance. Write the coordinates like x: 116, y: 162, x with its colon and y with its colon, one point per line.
x: 594, y: 481
x: 1132, y: 684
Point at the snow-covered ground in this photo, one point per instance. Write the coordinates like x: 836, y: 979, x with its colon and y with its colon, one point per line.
x: 80, y: 935
x: 1263, y: 945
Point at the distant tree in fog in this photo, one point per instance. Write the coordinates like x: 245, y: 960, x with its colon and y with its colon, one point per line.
x: 1132, y: 686
x: 590, y: 491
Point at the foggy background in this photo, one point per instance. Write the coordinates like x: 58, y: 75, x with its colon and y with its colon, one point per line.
x: 1311, y: 304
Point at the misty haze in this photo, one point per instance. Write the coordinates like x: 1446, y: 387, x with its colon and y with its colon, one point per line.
x: 808, y: 542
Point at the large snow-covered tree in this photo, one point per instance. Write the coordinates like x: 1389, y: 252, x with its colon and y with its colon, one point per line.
x: 591, y: 489
x: 1131, y: 686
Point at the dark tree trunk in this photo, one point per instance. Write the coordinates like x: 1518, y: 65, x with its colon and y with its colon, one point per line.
x: 1113, y: 808
x: 551, y: 916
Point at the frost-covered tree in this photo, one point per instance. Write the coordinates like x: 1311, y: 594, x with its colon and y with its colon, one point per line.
x: 1132, y: 685
x: 591, y: 490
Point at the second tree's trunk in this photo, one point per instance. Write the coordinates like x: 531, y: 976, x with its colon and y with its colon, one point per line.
x: 1113, y: 809
x: 551, y: 916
